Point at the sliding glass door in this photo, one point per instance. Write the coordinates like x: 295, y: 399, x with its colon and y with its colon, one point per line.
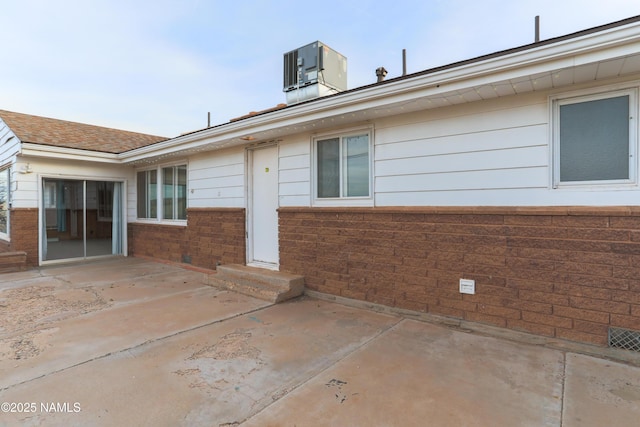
x: 81, y: 219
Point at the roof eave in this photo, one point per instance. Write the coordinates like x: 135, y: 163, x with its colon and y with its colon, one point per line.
x: 54, y: 152
x: 565, y: 52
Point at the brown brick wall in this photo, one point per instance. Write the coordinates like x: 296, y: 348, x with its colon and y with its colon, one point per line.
x: 24, y: 234
x: 216, y: 235
x: 559, y: 272
x: 12, y: 261
x: 211, y: 236
x: 164, y: 242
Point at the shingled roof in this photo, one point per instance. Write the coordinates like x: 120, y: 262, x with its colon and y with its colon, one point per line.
x: 61, y: 133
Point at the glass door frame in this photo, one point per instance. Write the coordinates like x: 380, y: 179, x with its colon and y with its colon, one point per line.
x: 42, y: 234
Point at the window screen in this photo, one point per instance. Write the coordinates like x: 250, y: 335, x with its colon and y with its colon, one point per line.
x: 594, y: 140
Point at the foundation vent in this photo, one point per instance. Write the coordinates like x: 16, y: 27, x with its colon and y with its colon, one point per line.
x: 625, y: 339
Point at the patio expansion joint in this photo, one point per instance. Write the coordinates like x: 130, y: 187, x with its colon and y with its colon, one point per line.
x: 563, y: 387
x: 383, y: 331
x: 137, y: 346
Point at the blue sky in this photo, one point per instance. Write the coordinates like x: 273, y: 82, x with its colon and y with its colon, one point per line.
x: 158, y: 66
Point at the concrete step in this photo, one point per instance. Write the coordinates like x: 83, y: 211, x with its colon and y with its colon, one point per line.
x: 268, y: 285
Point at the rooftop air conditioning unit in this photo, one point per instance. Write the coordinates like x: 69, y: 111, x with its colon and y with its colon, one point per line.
x: 312, y: 71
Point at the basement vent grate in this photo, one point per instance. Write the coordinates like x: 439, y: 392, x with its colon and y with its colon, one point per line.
x: 625, y: 339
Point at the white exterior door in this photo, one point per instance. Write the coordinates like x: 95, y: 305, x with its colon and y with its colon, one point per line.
x: 262, y: 224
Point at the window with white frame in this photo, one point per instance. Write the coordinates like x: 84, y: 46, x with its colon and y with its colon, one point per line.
x: 5, y: 197
x: 174, y: 192
x: 147, y: 193
x: 343, y: 166
x: 595, y: 139
x: 162, y: 193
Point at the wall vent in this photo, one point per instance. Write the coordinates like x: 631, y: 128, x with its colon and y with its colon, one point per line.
x: 625, y: 339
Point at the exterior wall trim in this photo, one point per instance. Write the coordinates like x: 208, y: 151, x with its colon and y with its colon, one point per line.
x: 480, y: 210
x: 214, y: 209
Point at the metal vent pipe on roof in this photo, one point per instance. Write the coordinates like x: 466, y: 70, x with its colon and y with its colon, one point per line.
x: 404, y: 62
x: 537, y: 36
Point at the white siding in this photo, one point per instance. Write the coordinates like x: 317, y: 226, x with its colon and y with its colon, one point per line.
x: 479, y: 160
x: 465, y: 119
x: 26, y: 192
x: 217, y: 179
x: 8, y: 149
x: 484, y: 141
x: 295, y: 171
x: 485, y: 153
x: 478, y: 153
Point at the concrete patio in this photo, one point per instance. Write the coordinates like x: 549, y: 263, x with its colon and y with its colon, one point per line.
x: 129, y: 342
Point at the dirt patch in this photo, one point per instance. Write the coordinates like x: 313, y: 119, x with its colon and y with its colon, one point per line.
x: 194, y: 379
x: 224, y: 368
x: 25, y: 346
x: 25, y: 309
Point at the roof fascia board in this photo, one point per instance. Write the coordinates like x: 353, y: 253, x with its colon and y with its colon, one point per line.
x: 223, y: 134
x: 565, y: 54
x: 52, y: 152
x: 575, y: 51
